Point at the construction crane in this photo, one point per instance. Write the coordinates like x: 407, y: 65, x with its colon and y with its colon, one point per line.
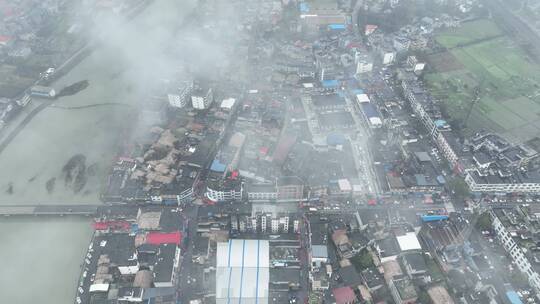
x: 475, y: 100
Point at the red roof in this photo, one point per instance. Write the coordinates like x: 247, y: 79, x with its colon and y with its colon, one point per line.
x: 158, y: 238
x: 113, y: 225
x: 344, y: 295
x: 4, y: 39
x: 263, y: 150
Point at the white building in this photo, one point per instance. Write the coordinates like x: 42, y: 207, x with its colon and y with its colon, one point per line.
x: 242, y: 272
x: 515, y: 252
x: 492, y: 183
x: 388, y: 57
x: 364, y: 63
x: 361, y: 98
x: 414, y: 65
x: 223, y: 195
x: 41, y: 91
x: 228, y: 104
x: 364, y: 66
x: 408, y: 241
x: 180, y: 99
x: 202, y: 99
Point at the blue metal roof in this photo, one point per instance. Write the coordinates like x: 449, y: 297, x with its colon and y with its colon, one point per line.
x: 334, y: 139
x: 513, y: 297
x: 441, y: 180
x: 304, y: 7
x: 336, y: 26
x: 218, y: 166
x: 369, y: 110
x: 440, y: 123
x: 330, y: 83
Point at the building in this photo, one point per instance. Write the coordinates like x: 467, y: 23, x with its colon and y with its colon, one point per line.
x: 414, y: 65
x: 402, y: 290
x: 315, y: 14
x: 414, y: 264
x: 500, y: 221
x: 166, y: 266
x: 371, y: 115
x: 318, y: 240
x: 328, y: 102
x: 498, y: 166
x: 202, y: 98
x: 242, y: 272
x: 221, y: 195
x: 364, y: 63
x: 440, y: 132
x: 44, y: 92
x: 344, y: 295
x: 388, y: 56
x: 262, y: 192
x: 180, y: 98
x: 408, y: 241
x: 498, y: 182
x: 290, y: 188
x: 439, y: 295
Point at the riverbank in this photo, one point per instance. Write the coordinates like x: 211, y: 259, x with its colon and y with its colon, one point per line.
x: 46, y: 144
x: 13, y: 128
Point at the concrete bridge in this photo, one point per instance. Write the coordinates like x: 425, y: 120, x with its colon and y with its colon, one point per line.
x: 51, y: 210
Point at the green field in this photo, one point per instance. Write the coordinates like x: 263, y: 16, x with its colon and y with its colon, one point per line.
x: 508, y: 81
x: 468, y: 32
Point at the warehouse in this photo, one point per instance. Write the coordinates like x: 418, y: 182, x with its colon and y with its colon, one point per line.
x: 242, y: 272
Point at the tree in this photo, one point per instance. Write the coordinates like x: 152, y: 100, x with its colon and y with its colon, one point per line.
x: 362, y: 260
x: 484, y: 222
x: 459, y: 187
x: 423, y: 297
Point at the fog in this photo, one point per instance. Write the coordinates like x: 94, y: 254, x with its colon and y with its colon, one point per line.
x: 132, y: 61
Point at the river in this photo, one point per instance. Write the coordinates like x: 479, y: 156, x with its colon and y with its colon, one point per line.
x: 42, y: 256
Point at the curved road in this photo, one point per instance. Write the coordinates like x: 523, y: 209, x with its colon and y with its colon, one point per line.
x: 23, y: 124
x: 92, y: 106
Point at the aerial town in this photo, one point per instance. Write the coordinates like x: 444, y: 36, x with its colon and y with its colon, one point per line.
x: 342, y: 151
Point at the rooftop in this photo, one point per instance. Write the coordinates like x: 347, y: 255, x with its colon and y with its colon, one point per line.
x: 344, y: 295
x: 405, y: 288
x: 408, y: 241
x: 242, y: 271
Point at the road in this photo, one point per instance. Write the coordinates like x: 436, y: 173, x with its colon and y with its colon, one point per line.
x: 185, y: 291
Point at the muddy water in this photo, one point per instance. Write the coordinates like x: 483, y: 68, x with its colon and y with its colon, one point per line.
x: 42, y: 256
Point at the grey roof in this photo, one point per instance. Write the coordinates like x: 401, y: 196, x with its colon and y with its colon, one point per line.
x: 350, y: 276
x: 319, y: 251
x: 150, y: 293
x: 372, y: 277
x: 262, y: 188
x: 415, y: 260
x: 327, y: 100
x: 163, y: 269
x: 423, y: 156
